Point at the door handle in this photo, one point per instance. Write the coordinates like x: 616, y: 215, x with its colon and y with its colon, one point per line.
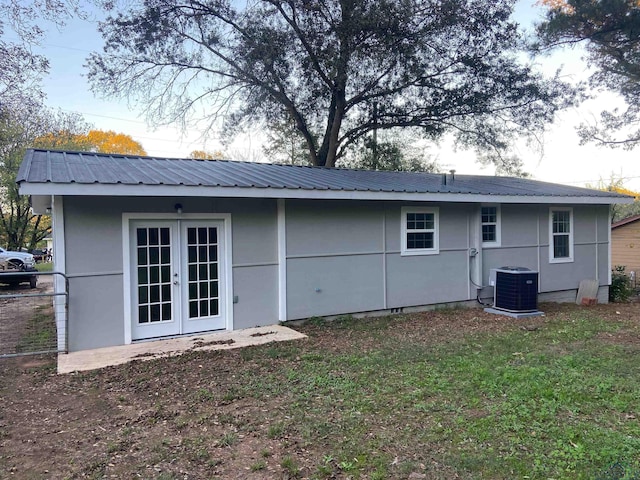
x: 175, y: 282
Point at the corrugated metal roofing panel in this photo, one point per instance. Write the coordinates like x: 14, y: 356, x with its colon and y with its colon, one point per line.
x: 48, y: 166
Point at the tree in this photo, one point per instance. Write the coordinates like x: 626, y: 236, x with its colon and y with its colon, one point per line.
x: 394, y: 152
x: 112, y: 142
x: 97, y: 141
x: 285, y: 145
x: 20, y: 68
x: 19, y: 227
x: 610, y: 33
x: 621, y: 211
x: 206, y: 155
x: 336, y: 69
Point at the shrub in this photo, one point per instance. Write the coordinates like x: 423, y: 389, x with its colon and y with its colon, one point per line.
x: 620, y: 289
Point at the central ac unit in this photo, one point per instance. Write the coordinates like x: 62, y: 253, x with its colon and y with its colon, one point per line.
x: 515, y: 289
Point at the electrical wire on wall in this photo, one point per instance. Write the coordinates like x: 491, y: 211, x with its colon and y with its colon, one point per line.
x: 473, y: 253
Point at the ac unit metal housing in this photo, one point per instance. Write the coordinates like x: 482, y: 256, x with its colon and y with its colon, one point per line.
x: 515, y: 289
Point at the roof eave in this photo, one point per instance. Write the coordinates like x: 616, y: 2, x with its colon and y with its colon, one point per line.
x: 79, y: 189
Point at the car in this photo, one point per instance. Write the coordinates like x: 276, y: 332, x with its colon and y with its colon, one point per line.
x: 16, y: 268
x: 40, y: 255
x: 17, y: 260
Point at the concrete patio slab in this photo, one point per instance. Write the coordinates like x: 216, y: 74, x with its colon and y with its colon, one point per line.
x: 149, y: 350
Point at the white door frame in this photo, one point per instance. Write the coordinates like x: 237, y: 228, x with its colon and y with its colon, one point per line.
x: 128, y: 217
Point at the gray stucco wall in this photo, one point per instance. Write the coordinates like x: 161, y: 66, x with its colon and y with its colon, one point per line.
x: 345, y: 257
x: 94, y: 261
x: 341, y: 257
x: 525, y: 243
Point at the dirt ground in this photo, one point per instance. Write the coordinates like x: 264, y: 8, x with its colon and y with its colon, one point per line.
x: 160, y: 419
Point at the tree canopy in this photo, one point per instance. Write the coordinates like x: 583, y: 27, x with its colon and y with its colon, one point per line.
x: 98, y: 141
x: 19, y: 127
x: 610, y: 33
x: 616, y: 184
x: 21, y: 27
x: 335, y: 69
x: 206, y: 155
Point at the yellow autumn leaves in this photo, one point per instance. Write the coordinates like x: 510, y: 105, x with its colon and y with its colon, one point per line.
x: 98, y: 141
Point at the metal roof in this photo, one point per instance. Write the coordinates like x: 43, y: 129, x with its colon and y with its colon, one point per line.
x: 42, y: 170
x: 625, y: 221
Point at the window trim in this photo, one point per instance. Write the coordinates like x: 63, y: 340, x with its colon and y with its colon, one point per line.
x: 498, y: 223
x: 552, y: 258
x: 436, y: 231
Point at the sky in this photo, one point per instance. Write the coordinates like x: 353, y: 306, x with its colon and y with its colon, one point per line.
x: 563, y: 159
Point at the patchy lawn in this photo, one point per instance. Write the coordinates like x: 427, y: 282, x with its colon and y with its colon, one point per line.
x: 447, y: 394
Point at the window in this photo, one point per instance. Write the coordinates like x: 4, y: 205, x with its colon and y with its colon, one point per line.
x: 560, y: 235
x: 490, y: 225
x: 419, y: 231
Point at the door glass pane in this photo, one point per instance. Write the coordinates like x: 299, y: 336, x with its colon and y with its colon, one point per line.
x: 142, y: 256
x: 214, y: 305
x: 202, y: 236
x: 155, y: 274
x: 142, y: 236
x: 154, y: 293
x: 166, y: 293
x: 155, y: 313
x: 204, y: 308
x: 154, y: 256
x: 203, y: 267
x: 164, y: 236
x: 143, y: 294
x: 142, y: 276
x: 153, y: 236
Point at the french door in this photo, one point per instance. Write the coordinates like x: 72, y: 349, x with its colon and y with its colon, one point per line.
x: 177, y: 277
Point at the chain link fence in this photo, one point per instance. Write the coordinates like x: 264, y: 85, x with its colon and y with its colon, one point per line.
x: 32, y: 313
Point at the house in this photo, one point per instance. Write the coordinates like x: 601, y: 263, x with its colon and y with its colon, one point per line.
x: 156, y: 247
x: 625, y: 244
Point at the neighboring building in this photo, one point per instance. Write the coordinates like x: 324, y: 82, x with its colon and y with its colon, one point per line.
x: 159, y: 247
x: 625, y: 245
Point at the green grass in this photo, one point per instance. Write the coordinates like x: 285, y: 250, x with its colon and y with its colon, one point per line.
x: 39, y: 333
x: 554, y: 403
x: 44, y: 267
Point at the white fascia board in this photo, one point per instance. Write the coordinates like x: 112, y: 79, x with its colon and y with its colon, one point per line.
x: 93, y: 189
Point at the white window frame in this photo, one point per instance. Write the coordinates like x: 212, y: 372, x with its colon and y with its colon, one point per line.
x: 552, y: 258
x: 497, y: 223
x: 436, y: 231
